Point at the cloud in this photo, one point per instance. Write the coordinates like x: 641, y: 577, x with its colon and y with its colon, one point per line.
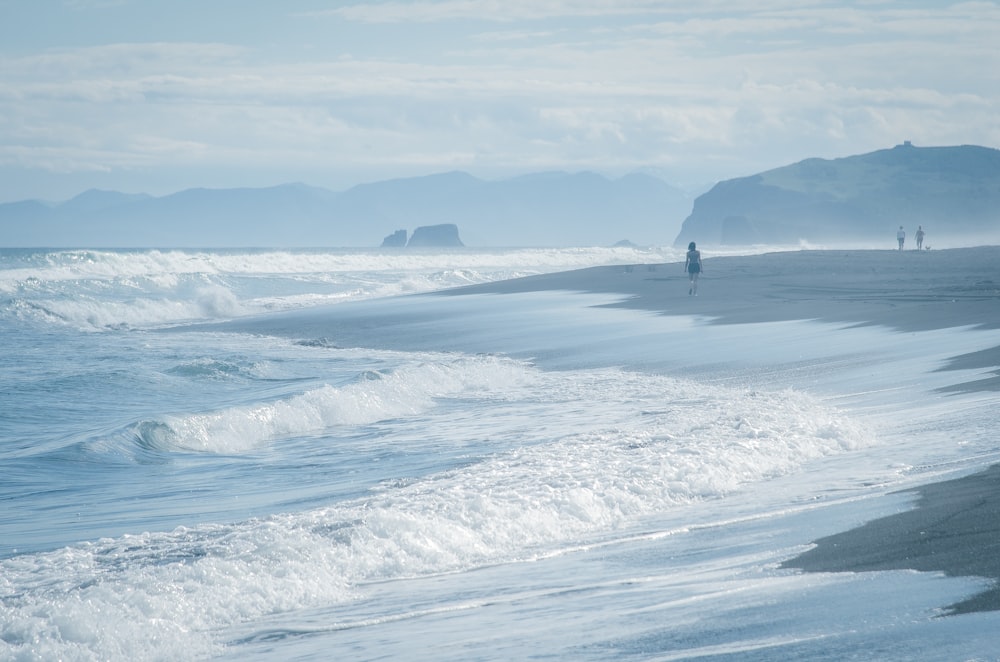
x: 120, y: 59
x: 717, y: 88
x: 503, y: 11
x: 508, y: 11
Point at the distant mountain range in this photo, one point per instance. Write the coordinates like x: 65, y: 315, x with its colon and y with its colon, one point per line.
x: 547, y: 209
x: 952, y: 192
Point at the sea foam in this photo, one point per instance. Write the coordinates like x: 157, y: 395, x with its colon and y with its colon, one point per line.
x: 373, y: 396
x: 570, y: 456
x: 113, y: 290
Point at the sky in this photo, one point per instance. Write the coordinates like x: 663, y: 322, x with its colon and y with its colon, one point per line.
x: 156, y: 96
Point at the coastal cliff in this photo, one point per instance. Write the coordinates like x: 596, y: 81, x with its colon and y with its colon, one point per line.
x: 953, y: 190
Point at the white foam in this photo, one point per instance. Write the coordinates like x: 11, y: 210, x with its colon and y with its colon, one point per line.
x: 165, y: 266
x: 96, y: 290
x: 375, y: 396
x: 614, y: 447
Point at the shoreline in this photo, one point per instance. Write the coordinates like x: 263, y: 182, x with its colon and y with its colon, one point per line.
x: 908, y: 291
x: 955, y: 526
x: 905, y: 291
x: 954, y: 529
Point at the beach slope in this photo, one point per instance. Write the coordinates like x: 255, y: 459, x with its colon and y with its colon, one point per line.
x: 955, y: 526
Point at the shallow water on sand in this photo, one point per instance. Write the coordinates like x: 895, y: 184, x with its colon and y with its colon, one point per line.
x: 483, y: 476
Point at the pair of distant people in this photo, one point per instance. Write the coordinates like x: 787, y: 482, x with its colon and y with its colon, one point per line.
x: 901, y: 237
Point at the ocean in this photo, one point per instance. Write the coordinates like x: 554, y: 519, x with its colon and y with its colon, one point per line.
x: 313, y: 455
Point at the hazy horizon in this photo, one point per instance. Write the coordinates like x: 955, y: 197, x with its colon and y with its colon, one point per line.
x: 158, y: 97
x: 691, y: 192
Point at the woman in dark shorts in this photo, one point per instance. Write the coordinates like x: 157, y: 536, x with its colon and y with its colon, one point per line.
x: 693, y: 267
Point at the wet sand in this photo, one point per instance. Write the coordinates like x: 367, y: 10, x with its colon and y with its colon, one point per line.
x: 954, y: 529
x: 955, y: 526
x: 909, y: 291
x: 905, y: 291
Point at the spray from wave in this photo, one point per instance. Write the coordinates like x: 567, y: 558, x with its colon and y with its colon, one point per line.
x: 113, y: 290
x: 618, y: 446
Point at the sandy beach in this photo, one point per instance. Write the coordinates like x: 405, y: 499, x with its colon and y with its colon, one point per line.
x: 955, y: 529
x: 909, y: 291
x: 955, y: 526
x: 904, y: 291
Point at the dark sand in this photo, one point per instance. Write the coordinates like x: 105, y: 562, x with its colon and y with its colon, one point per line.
x: 955, y: 527
x: 906, y: 291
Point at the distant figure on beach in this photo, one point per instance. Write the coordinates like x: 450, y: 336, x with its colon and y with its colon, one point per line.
x: 901, y: 237
x: 920, y: 237
x: 692, y: 265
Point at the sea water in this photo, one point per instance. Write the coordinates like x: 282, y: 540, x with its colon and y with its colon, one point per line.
x: 310, y: 455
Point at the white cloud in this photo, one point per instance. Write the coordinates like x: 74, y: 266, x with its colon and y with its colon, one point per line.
x: 713, y: 89
x: 506, y: 11
x: 486, y: 10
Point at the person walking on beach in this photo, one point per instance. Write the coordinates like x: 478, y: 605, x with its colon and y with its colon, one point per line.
x: 920, y: 237
x: 692, y: 265
x: 901, y: 237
